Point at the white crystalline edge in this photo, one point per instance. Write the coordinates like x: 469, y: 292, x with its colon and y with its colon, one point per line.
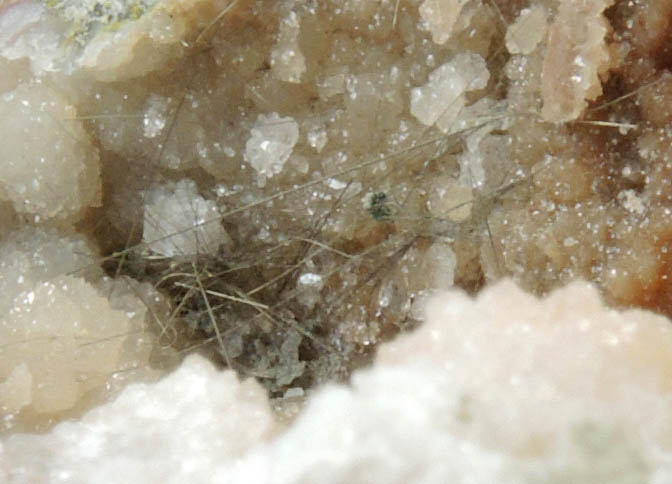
x: 454, y: 401
x: 26, y: 31
x: 152, y: 433
x: 33, y: 254
x: 528, y: 30
x: 154, y: 118
x: 178, y: 209
x: 287, y: 61
x: 42, y: 366
x: 336, y: 184
x: 440, y: 17
x: 271, y: 143
x: 50, y: 169
x: 442, y: 97
x: 317, y: 139
x: 310, y: 279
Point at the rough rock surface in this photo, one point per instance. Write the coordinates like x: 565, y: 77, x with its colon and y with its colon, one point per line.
x: 49, y: 167
x: 361, y: 154
x: 68, y: 336
x: 506, y: 388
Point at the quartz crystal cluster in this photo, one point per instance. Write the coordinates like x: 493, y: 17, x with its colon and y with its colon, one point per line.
x: 51, y: 170
x: 179, y: 222
x: 281, y: 186
x: 68, y: 335
x: 270, y: 145
x: 443, y: 97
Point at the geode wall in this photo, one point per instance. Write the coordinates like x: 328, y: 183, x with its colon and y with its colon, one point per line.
x: 281, y: 185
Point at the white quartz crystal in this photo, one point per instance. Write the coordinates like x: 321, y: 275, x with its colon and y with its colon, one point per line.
x: 317, y: 138
x: 529, y: 29
x: 271, y: 143
x: 64, y: 331
x: 154, y: 118
x: 503, y: 389
x: 442, y: 98
x: 578, y: 55
x: 26, y: 30
x: 178, y: 221
x: 66, y: 335
x: 49, y: 167
x: 176, y: 430
x: 632, y: 202
x: 310, y: 279
x: 287, y: 61
x: 309, y: 288
x: 32, y: 255
x: 440, y: 17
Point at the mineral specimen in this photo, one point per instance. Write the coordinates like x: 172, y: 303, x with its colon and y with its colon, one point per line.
x: 281, y: 186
